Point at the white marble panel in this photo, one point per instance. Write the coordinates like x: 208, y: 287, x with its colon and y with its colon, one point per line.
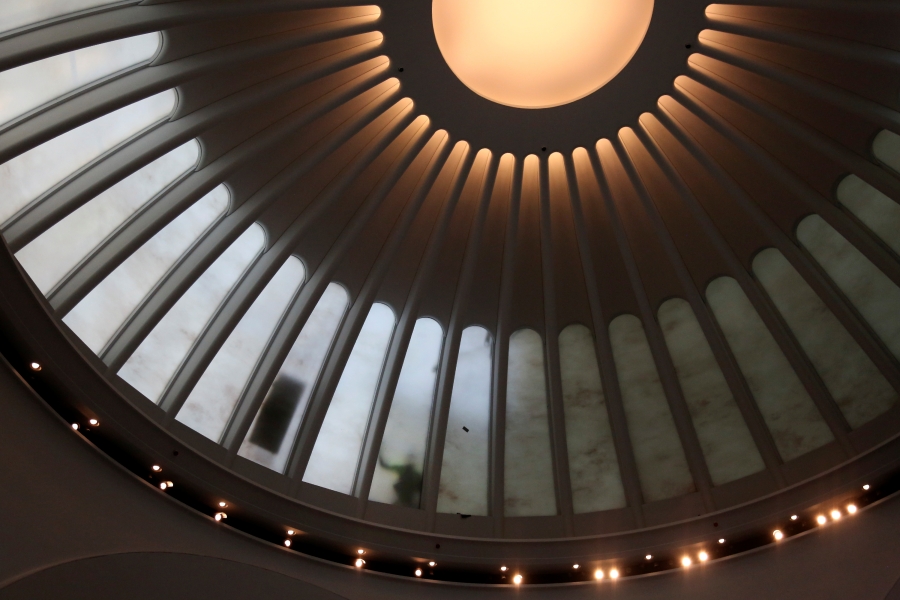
x: 53, y: 254
x: 855, y: 383
x: 877, y: 211
x: 159, y: 355
x: 31, y: 174
x: 727, y: 444
x: 335, y: 455
x: 661, y: 463
x: 275, y: 425
x: 528, y: 465
x: 210, y: 404
x: 105, y: 309
x: 874, y: 295
x: 464, y: 469
x: 789, y: 412
x: 593, y: 464
x: 18, y: 13
x: 886, y: 148
x: 30, y: 86
x: 401, y: 461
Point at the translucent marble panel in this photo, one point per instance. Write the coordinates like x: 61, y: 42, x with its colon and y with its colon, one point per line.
x: 31, y: 174
x: 275, y: 425
x: 18, y: 13
x: 789, y: 412
x: 727, y: 444
x: 58, y: 250
x: 886, y: 148
x: 662, y: 466
x: 105, y: 309
x: 335, y: 455
x: 593, y: 465
x: 211, y: 402
x: 401, y: 462
x: 877, y: 211
x: 157, y: 358
x: 874, y: 295
x: 855, y: 383
x: 464, y: 470
x: 528, y: 465
x: 27, y: 87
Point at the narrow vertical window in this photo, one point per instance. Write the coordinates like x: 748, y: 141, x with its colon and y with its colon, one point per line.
x: 275, y: 425
x: 30, y: 86
x: 212, y: 401
x: 464, y: 468
x: 159, y: 355
x: 662, y: 466
x: 886, y: 148
x: 727, y: 445
x: 789, y: 412
x: 878, y: 212
x: 31, y: 174
x: 401, y: 461
x: 593, y: 464
x: 106, y: 308
x: 873, y: 294
x: 528, y: 464
x: 19, y: 13
x: 53, y: 254
x: 335, y: 455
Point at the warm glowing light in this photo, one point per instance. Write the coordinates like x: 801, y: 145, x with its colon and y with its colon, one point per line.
x: 721, y: 540
x: 793, y: 517
x: 163, y: 486
x: 75, y: 426
x: 418, y: 572
x: 360, y: 551
x: 538, y: 53
x: 835, y: 514
x: 223, y: 504
x: 613, y: 573
x: 432, y: 564
x: 290, y: 532
x: 851, y: 508
x: 866, y: 487
x: 686, y: 561
x: 598, y: 574
x: 503, y: 569
x: 287, y: 543
x: 36, y: 366
x: 94, y: 422
x: 170, y: 484
x: 517, y: 579
x: 703, y: 556
x: 156, y: 468
x: 575, y: 566
x: 359, y: 563
x: 777, y: 534
x: 220, y: 516
x: 821, y: 520
x: 649, y: 557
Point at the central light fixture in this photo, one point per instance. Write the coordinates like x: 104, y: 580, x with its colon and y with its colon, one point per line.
x: 538, y: 53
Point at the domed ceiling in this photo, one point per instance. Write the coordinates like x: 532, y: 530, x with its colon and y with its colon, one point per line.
x: 370, y: 303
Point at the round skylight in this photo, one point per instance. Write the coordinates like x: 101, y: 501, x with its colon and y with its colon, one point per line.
x: 538, y: 53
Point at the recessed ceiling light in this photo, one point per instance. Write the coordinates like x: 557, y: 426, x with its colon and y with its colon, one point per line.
x: 223, y: 504
x: 360, y: 551
x: 503, y: 569
x: 613, y: 573
x: 163, y: 485
x: 287, y: 543
x: 220, y: 516
x: 75, y: 426
x: 866, y: 487
x: 575, y: 566
x: 598, y: 574
x: 821, y: 520
x: 649, y: 557
x: 703, y: 556
x: 418, y: 572
x: 156, y: 468
x: 835, y: 514
x: 36, y: 366
x: 359, y: 563
x: 290, y: 532
x: 686, y: 561
x: 721, y: 540
x: 94, y: 422
x: 432, y: 564
x: 793, y: 517
x: 851, y: 508
x: 777, y: 534
x: 517, y: 579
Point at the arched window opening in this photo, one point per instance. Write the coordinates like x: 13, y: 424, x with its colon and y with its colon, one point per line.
x: 593, y: 463
x: 464, y: 469
x: 727, y: 444
x: 278, y: 420
x: 878, y: 212
x: 528, y: 464
x: 212, y: 401
x: 401, y: 461
x: 662, y: 466
x: 886, y: 148
x: 335, y: 456
x: 150, y: 368
x: 791, y: 415
x: 19, y: 13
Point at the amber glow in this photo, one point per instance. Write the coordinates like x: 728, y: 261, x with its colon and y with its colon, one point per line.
x: 538, y: 53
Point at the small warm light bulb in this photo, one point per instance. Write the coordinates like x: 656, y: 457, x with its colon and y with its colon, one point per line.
x: 432, y: 564
x: 220, y: 516
x: 503, y: 569
x: 36, y: 366
x: 418, y: 572
x: 170, y: 484
x: 703, y: 556
x: 793, y: 517
x: 777, y: 534
x: 821, y: 520
x: 614, y: 574
x: 359, y: 563
x: 835, y: 514
x: 517, y: 579
x: 598, y: 574
x: 290, y: 532
x: 156, y: 468
x: 287, y: 543
x: 360, y: 551
x: 163, y: 485
x: 75, y: 426
x: 686, y: 561
x: 721, y: 540
x: 851, y: 508
x: 94, y: 422
x: 223, y: 504
x: 866, y: 487
x: 649, y: 557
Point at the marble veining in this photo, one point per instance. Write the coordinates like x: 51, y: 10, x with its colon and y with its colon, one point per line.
x: 795, y: 423
x: 464, y: 470
x: 211, y: 402
x: 727, y: 444
x: 401, y: 460
x: 106, y: 307
x: 662, y: 466
x: 593, y: 464
x: 303, y: 364
x: 159, y: 355
x: 335, y: 455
